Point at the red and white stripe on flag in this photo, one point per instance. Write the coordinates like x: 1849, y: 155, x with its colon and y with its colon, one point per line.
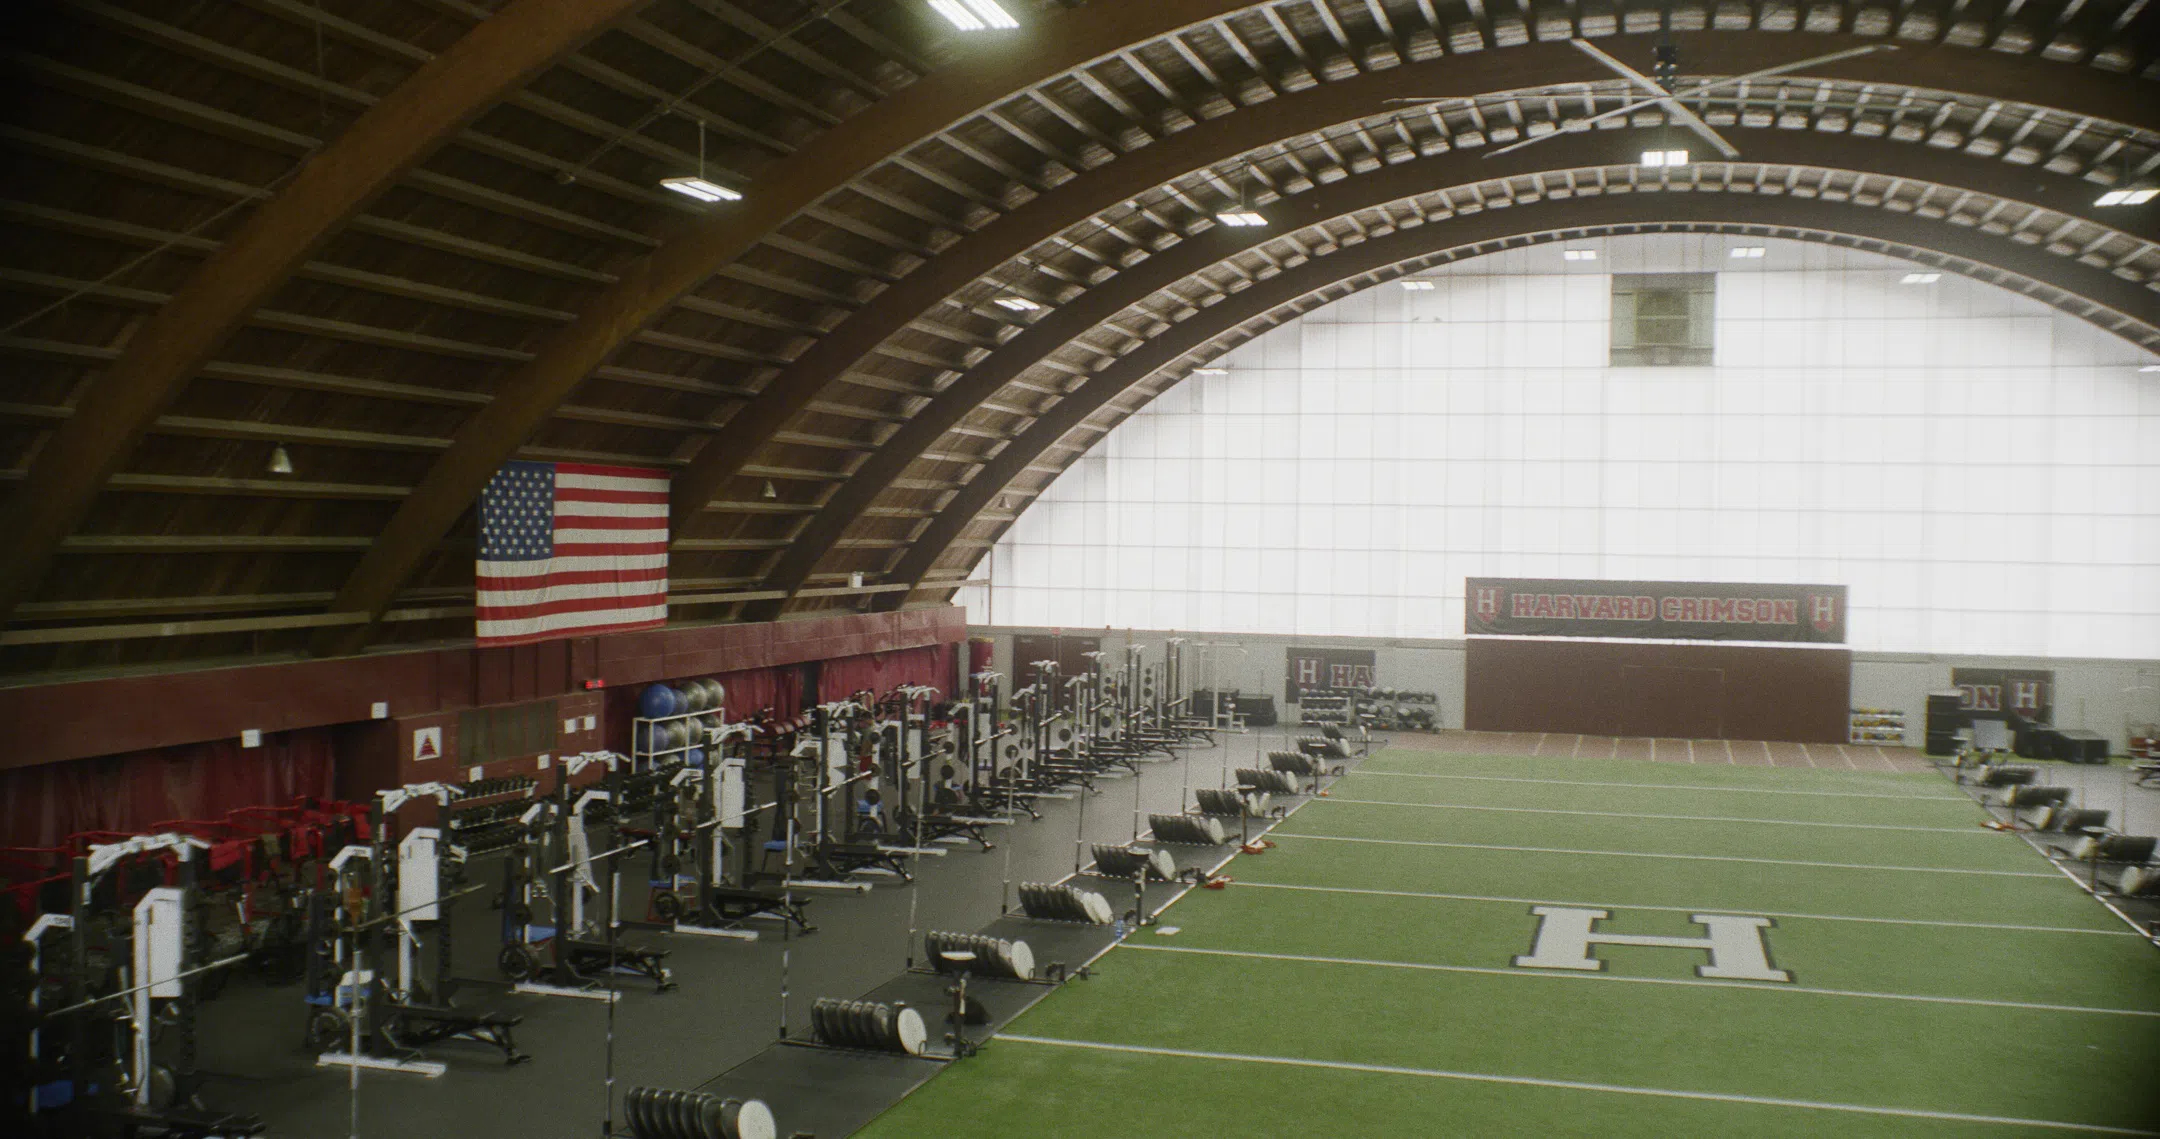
x: 571, y: 549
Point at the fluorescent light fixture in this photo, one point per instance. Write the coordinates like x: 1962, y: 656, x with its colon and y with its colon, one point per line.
x: 1240, y: 217
x: 1746, y: 253
x: 1211, y: 371
x: 1919, y: 278
x: 2149, y: 368
x: 1018, y: 304
x: 1418, y: 286
x: 1579, y: 254
x: 974, y: 15
x: 702, y: 190
x: 280, y: 460
x: 2136, y: 197
x: 1664, y: 158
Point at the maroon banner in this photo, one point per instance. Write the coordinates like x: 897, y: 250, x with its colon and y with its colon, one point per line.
x: 1659, y: 610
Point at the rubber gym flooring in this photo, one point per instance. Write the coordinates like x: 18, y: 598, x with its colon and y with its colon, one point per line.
x: 1361, y: 978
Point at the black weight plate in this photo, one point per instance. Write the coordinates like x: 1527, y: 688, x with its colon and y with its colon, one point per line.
x: 821, y: 1021
x: 866, y: 1036
x: 881, y: 1017
x: 851, y: 1024
x: 683, y: 1113
x: 712, y: 1113
x: 634, y: 1109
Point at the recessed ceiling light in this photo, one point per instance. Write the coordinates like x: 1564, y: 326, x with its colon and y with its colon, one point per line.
x: 1664, y: 158
x: 2135, y: 197
x: 974, y: 15
x: 1578, y: 254
x: 1211, y: 371
x: 1240, y: 217
x: 1018, y: 304
x: 2149, y: 368
x: 1919, y: 278
x: 1746, y: 252
x: 1418, y: 286
x: 702, y: 190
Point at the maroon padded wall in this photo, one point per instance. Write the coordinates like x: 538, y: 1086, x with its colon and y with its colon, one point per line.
x: 1696, y: 691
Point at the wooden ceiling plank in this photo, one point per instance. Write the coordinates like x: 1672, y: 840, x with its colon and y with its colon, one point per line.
x: 386, y: 142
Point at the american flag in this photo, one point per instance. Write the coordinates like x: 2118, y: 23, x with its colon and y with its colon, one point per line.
x: 569, y: 548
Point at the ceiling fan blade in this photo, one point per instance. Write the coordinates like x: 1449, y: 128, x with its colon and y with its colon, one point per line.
x: 1672, y: 106
x: 1709, y: 85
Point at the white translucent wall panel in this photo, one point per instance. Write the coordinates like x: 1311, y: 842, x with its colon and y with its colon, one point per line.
x: 1982, y: 472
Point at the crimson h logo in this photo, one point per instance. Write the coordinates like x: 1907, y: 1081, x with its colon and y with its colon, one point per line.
x: 1735, y: 944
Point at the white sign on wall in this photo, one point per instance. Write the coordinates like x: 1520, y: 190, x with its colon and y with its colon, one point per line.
x: 427, y: 743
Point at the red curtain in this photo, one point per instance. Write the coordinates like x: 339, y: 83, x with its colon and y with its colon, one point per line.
x: 882, y: 672
x: 39, y: 806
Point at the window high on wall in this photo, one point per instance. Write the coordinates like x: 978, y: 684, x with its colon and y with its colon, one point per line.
x: 1981, y: 471
x: 1663, y: 319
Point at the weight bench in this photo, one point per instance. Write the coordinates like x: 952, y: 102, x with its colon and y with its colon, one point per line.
x: 180, y: 1122
x: 588, y: 957
x: 729, y: 903
x: 839, y: 859
x: 975, y: 827
x: 415, y: 1026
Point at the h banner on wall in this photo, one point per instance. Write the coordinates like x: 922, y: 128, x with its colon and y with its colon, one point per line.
x: 1663, y: 610
x: 1318, y: 670
x: 1999, y: 693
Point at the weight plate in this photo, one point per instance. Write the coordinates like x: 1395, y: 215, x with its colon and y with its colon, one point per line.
x: 881, y: 1020
x: 750, y: 1119
x: 1021, y: 960
x: 866, y: 1025
x: 911, y: 1033
x: 684, y: 1113
x: 1165, y: 867
x: 1097, y: 908
x: 818, y: 1029
x: 632, y: 1104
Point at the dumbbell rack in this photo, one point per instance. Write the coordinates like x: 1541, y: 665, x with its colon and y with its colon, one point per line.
x: 1876, y: 726
x: 1323, y: 708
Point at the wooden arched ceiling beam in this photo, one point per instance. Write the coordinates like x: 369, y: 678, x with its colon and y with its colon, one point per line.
x: 117, y: 408
x: 1055, y: 43
x: 927, y: 425
x: 1542, y: 220
x: 811, y: 375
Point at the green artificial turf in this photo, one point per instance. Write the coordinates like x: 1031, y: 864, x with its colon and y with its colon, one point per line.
x: 1344, y: 952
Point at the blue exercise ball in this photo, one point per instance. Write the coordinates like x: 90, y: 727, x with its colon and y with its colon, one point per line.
x: 682, y: 701
x: 642, y: 739
x: 656, y: 701
x: 695, y: 757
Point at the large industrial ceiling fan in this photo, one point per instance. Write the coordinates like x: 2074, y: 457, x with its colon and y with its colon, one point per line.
x: 1663, y: 92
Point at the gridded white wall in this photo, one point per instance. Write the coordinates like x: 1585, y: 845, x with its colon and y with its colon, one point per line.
x: 1981, y: 471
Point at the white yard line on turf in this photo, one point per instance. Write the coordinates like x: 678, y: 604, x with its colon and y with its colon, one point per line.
x: 1550, y: 975
x: 1680, y: 857
x: 1581, y: 1085
x: 1972, y: 830
x: 1988, y: 925
x: 1663, y: 786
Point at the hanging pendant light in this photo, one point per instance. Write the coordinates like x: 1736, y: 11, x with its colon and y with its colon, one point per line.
x: 280, y: 460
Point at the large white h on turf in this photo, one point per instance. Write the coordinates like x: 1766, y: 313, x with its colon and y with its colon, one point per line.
x: 1735, y: 944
